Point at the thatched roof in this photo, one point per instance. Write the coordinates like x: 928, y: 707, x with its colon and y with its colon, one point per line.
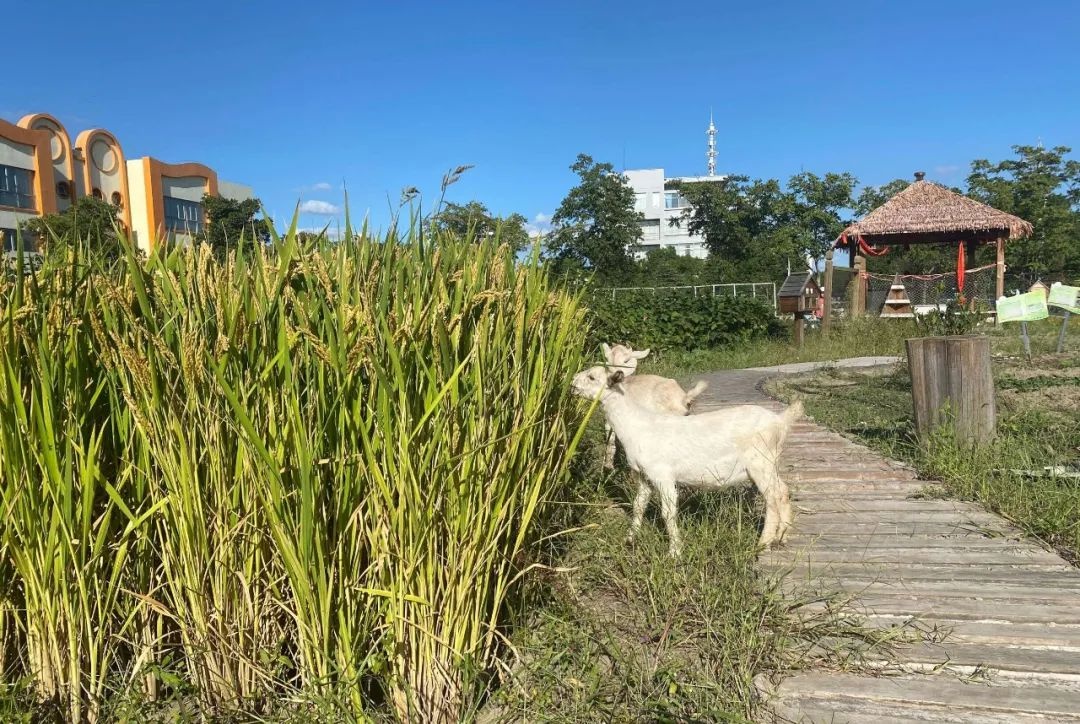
x: 926, y: 212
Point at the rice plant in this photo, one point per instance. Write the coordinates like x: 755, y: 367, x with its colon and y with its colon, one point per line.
x: 305, y: 472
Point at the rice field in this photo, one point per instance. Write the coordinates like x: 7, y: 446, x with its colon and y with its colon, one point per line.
x: 307, y: 477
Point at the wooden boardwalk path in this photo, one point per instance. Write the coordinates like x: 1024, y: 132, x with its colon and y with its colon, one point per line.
x: 1009, y: 609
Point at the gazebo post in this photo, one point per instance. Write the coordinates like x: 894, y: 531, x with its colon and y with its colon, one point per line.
x: 826, y: 316
x: 858, y: 304
x: 1000, y: 291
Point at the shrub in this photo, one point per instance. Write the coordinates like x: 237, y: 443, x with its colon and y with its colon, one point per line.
x: 677, y: 319
x: 955, y: 319
x: 297, y: 473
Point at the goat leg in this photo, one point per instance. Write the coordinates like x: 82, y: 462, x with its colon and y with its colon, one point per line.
x: 641, y: 502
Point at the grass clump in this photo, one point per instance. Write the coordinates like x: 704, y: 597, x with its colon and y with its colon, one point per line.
x: 304, y: 477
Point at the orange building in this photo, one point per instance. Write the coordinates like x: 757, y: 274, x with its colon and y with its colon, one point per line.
x: 43, y: 172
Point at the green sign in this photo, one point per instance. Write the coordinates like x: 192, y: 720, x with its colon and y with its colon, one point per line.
x: 1067, y: 298
x: 1026, y: 307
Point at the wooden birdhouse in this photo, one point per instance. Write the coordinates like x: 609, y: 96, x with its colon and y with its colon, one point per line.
x: 799, y: 294
x: 1039, y: 286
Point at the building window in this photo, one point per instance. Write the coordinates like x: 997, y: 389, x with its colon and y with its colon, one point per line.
x: 639, y: 202
x: 650, y: 232
x: 63, y: 191
x: 96, y: 193
x: 9, y: 241
x: 181, y: 215
x: 15, y: 187
x: 674, y: 200
x: 655, y: 200
x: 117, y: 200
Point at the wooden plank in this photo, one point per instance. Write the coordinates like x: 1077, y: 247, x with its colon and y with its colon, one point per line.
x: 1065, y: 610
x: 904, y: 558
x: 970, y: 517
x: 988, y: 572
x: 1035, y: 634
x: 971, y: 388
x: 937, y: 691
x: 843, y: 491
x: 806, y: 525
x: 887, y: 505
x: 1034, y: 661
x: 1018, y: 592
x: 864, y: 711
x: 969, y: 542
x: 844, y: 711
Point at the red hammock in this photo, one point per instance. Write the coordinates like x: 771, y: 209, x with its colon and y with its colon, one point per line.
x: 864, y: 247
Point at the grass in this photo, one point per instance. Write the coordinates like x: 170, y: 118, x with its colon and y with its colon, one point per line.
x: 856, y: 338
x: 1038, y: 428
x: 622, y: 633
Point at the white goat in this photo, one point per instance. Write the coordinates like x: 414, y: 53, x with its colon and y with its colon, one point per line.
x: 653, y: 392
x: 709, y: 450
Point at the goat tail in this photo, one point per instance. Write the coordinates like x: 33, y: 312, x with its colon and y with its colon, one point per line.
x: 693, y: 392
x: 789, y: 417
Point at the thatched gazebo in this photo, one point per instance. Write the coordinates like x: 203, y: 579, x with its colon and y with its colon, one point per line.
x: 928, y: 213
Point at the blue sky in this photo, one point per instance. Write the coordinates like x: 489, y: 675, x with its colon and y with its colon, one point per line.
x: 297, y: 98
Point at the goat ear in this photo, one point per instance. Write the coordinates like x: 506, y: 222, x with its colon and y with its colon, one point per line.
x: 642, y: 353
x: 607, y: 352
x: 615, y: 378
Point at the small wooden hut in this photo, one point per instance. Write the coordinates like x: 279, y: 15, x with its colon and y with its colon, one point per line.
x: 799, y: 294
x: 929, y: 213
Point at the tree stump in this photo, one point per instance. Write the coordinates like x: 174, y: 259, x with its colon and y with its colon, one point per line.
x: 951, y: 381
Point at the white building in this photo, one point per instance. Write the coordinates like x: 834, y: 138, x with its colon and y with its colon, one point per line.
x: 659, y: 203
x: 656, y: 197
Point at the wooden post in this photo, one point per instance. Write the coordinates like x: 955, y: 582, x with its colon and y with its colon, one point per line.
x: 826, y: 316
x: 1000, y: 290
x: 1064, y: 326
x: 951, y: 381
x: 799, y: 329
x: 858, y: 304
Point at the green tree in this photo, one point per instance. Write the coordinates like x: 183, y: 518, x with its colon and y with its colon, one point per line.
x: 227, y: 220
x: 1041, y: 186
x: 743, y: 224
x: 595, y: 227
x: 91, y: 221
x: 756, y: 228
x: 460, y: 220
x: 817, y: 203
x: 665, y: 268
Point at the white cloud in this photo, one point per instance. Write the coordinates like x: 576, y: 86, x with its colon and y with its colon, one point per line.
x: 319, y: 208
x: 541, y: 224
x: 320, y: 186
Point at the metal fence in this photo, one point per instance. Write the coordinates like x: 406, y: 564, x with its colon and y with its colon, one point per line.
x: 755, y: 290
